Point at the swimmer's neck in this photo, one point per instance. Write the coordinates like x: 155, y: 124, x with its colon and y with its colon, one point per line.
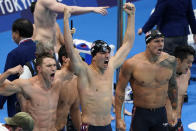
x: 46, y: 84
x: 94, y: 66
x: 67, y: 67
x: 151, y: 57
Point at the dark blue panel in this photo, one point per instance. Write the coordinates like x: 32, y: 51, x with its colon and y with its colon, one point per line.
x: 81, y: 2
x: 86, y: 2
x: 110, y: 2
x: 7, y: 20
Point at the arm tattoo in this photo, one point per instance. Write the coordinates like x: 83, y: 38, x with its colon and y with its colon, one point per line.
x: 168, y: 63
x: 172, y: 87
x: 121, y: 98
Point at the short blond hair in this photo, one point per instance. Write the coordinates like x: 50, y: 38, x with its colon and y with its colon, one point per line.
x: 42, y: 47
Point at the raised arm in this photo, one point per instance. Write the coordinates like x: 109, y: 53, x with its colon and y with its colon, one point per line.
x: 124, y: 78
x: 8, y: 88
x: 60, y: 35
x: 76, y: 60
x: 59, y: 7
x: 129, y: 37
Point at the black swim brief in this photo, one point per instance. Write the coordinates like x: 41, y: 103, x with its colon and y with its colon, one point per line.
x: 154, y: 119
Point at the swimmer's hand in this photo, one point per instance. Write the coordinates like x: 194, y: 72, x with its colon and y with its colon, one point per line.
x: 129, y: 8
x: 120, y: 125
x: 101, y: 10
x: 73, y: 31
x: 174, y: 118
x: 16, y: 70
x: 139, y: 31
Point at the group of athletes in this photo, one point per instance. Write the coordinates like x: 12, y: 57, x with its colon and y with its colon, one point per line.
x: 158, y: 80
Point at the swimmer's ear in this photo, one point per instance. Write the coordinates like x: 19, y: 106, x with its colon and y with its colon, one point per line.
x: 65, y: 59
x: 178, y: 60
x: 38, y: 68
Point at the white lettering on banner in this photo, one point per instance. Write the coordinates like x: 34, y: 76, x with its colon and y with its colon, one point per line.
x: 29, y: 2
x: 16, y: 5
x: 1, y: 6
x: 24, y: 3
x: 9, y: 6
x: 12, y: 6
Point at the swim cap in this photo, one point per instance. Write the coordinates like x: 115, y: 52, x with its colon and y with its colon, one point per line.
x: 99, y: 46
x: 153, y: 34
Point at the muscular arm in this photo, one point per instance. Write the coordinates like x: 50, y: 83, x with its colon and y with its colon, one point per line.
x: 124, y: 78
x: 76, y: 60
x: 129, y: 37
x: 59, y: 7
x: 8, y: 88
x: 172, y: 87
x: 4, y: 76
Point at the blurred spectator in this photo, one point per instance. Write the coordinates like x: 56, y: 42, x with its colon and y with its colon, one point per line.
x: 21, y: 121
x: 22, y: 31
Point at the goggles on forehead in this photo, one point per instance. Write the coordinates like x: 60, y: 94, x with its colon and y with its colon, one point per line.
x: 153, y: 34
x: 99, y: 46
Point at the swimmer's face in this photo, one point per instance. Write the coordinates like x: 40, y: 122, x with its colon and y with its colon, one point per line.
x: 156, y: 46
x: 102, y: 59
x: 48, y: 69
x: 185, y: 65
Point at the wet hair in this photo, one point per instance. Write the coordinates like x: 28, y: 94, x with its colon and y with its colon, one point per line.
x: 42, y: 47
x: 40, y: 57
x: 99, y: 46
x: 153, y: 34
x: 23, y: 26
x: 182, y: 52
x: 32, y: 7
x: 62, y: 52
